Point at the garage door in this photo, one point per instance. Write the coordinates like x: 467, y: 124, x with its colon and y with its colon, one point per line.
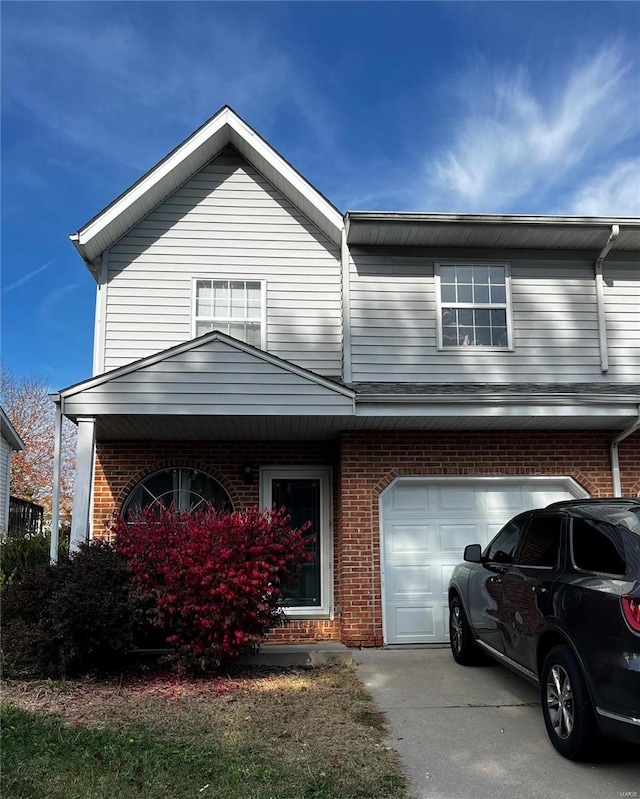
x: 426, y: 525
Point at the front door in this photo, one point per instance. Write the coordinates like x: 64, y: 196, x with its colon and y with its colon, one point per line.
x: 305, y: 493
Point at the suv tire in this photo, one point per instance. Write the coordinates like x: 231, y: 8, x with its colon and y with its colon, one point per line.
x: 566, y: 706
x: 463, y: 647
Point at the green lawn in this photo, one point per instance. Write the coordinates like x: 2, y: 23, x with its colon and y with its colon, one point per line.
x: 301, y: 734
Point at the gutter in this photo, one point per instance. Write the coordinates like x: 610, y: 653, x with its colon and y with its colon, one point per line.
x: 345, y: 261
x: 615, y: 455
x: 491, y: 399
x: 602, y: 321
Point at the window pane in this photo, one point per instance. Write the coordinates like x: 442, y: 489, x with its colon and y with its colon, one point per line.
x: 464, y: 274
x: 483, y: 336
x: 482, y: 318
x: 595, y: 549
x: 542, y: 542
x: 499, y: 318
x: 301, y: 498
x: 254, y: 300
x: 238, y: 300
x: 498, y: 294
x: 448, y: 293
x: 449, y: 336
x: 448, y: 274
x: 203, y: 327
x: 497, y: 275
x: 499, y: 337
x: 481, y: 275
x: 237, y: 330
x: 465, y: 293
x: 204, y: 295
x: 182, y: 489
x: 503, y: 546
x: 220, y: 298
x: 465, y: 317
x: 253, y: 334
x: 480, y: 293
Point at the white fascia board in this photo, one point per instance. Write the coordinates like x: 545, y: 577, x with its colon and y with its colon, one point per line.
x: 225, y: 117
x: 489, y: 219
x: 512, y: 408
x: 9, y: 433
x: 154, y: 176
x: 193, y: 344
x: 289, y: 173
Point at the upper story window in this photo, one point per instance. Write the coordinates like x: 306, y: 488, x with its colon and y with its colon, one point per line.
x: 473, y: 306
x: 234, y: 307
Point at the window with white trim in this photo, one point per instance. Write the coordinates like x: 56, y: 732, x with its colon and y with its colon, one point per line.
x: 234, y: 307
x: 473, y: 305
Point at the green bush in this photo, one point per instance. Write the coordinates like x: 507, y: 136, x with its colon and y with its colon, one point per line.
x: 19, y: 553
x: 69, y: 618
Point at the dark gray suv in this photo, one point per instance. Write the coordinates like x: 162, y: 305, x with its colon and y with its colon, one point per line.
x: 556, y: 597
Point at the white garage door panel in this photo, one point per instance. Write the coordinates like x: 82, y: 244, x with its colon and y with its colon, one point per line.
x: 426, y: 525
x: 409, y: 622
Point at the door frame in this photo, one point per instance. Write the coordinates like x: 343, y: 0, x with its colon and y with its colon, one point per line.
x: 324, y: 475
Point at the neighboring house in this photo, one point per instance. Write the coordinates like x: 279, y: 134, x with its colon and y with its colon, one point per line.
x: 407, y: 381
x: 10, y: 442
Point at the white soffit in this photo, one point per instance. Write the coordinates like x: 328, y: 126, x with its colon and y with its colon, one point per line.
x: 489, y: 231
x: 224, y: 128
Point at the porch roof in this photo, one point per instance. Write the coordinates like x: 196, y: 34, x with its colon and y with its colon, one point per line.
x: 217, y: 388
x: 212, y: 375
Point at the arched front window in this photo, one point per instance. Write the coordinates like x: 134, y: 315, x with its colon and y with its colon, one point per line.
x: 180, y: 488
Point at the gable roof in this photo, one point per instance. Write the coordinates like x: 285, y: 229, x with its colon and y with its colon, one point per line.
x: 213, y: 374
x: 9, y: 433
x: 224, y: 128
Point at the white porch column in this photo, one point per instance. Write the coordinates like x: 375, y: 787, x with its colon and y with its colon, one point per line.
x: 55, y: 501
x: 84, y: 482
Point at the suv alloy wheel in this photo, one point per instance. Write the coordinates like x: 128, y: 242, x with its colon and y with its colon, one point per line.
x: 566, y: 706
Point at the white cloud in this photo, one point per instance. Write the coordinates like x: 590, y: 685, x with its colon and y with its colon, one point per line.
x: 94, y: 79
x: 614, y: 193
x: 25, y: 278
x: 513, y: 144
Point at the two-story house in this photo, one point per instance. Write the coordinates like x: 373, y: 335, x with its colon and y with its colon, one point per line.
x: 406, y: 381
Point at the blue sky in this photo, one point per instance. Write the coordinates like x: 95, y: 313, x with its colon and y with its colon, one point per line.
x: 506, y: 107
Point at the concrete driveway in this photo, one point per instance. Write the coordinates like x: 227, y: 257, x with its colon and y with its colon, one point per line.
x: 478, y: 733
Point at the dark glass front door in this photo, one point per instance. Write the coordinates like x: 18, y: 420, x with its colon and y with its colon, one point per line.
x: 301, y: 498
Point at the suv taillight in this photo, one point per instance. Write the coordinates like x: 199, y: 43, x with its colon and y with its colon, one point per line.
x: 631, y: 610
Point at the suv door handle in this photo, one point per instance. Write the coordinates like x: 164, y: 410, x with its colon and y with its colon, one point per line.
x: 540, y: 589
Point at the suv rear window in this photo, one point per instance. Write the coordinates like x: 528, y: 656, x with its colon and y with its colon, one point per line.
x: 598, y: 547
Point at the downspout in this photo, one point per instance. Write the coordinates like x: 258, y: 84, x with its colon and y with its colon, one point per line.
x: 346, y: 303
x: 55, y: 500
x: 615, y: 455
x: 602, y: 321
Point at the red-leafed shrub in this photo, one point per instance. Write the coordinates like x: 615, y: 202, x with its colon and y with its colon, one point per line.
x: 216, y: 580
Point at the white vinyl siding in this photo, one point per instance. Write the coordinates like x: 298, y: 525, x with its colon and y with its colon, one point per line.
x: 393, y: 323
x: 622, y: 311
x: 5, y: 475
x: 228, y: 221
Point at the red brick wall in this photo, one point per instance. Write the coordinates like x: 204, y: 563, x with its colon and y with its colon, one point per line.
x: 364, y: 464
x: 371, y: 461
